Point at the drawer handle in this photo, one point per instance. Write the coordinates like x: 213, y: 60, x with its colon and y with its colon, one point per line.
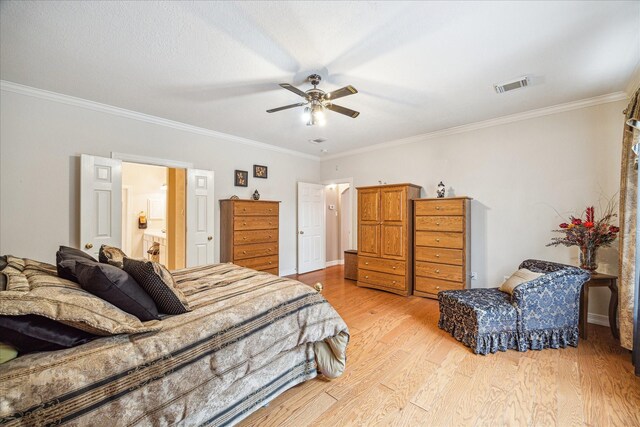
x: 437, y: 287
x: 244, y: 209
x: 393, y: 283
x: 394, y: 267
x: 270, y: 262
x: 244, y: 252
x: 269, y: 236
x: 366, y: 263
x: 437, y: 223
x: 269, y: 250
x: 437, y: 255
x: 366, y: 277
x: 244, y: 223
x: 270, y: 210
x: 437, y: 208
x: 437, y: 240
x: 244, y: 238
x: 437, y: 270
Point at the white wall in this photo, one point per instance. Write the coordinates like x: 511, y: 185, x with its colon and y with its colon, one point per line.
x: 40, y: 141
x: 519, y: 174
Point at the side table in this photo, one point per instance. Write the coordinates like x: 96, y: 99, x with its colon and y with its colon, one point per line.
x: 599, y: 280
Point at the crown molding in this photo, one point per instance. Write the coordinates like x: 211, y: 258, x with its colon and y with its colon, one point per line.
x: 554, y: 109
x: 122, y: 112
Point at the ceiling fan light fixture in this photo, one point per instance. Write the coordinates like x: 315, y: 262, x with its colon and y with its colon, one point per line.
x: 306, y: 115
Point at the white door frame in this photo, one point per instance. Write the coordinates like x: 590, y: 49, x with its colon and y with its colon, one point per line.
x: 354, y: 209
x: 147, y: 160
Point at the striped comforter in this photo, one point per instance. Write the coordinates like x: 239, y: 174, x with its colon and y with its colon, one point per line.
x: 250, y: 336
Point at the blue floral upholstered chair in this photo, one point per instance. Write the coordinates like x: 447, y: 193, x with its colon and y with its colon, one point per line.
x: 542, y: 313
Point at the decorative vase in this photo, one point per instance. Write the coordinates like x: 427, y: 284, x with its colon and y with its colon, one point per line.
x: 588, y: 258
x: 256, y: 195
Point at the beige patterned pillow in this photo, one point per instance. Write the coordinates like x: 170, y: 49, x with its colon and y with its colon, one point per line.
x: 34, y: 288
x: 519, y: 277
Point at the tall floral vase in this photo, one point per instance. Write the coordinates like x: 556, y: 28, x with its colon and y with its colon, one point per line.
x: 588, y: 258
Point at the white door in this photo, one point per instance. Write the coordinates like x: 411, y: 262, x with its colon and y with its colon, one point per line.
x: 100, y: 203
x: 311, y: 227
x: 200, y: 217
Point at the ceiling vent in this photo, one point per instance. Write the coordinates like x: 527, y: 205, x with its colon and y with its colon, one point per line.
x: 317, y: 140
x: 512, y: 85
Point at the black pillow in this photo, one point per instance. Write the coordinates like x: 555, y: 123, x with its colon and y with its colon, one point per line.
x: 31, y: 333
x: 117, y: 287
x: 3, y: 278
x: 68, y: 271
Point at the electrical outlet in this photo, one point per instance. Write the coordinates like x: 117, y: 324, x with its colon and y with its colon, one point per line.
x: 474, y: 275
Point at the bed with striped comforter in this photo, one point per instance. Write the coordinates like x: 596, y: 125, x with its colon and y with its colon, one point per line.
x: 250, y: 336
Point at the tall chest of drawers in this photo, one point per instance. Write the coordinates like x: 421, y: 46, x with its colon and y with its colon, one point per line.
x: 249, y: 233
x: 385, y: 234
x: 442, y: 245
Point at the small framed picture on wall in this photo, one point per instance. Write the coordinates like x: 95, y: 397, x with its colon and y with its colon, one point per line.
x: 241, y: 178
x: 260, y: 171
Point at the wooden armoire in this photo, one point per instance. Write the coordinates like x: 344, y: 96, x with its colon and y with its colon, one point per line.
x: 385, y: 237
x: 249, y: 234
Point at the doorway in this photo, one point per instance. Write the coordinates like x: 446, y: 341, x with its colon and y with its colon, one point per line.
x: 153, y: 213
x: 339, y: 221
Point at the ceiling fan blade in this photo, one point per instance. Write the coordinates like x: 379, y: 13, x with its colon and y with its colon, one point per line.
x: 342, y: 110
x: 273, y: 110
x: 345, y: 91
x: 293, y: 89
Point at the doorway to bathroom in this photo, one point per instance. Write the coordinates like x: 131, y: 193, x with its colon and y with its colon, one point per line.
x: 153, y: 213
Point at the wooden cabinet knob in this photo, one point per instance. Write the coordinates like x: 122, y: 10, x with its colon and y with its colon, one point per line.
x: 269, y: 236
x: 437, y: 270
x: 244, y: 223
x: 366, y: 277
x: 393, y: 283
x: 437, y: 223
x: 244, y: 209
x: 437, y: 240
x: 437, y: 287
x: 244, y: 252
x: 269, y: 250
x: 437, y: 255
x: 437, y: 208
x: 244, y: 238
x: 394, y: 267
x: 270, y: 210
x: 270, y: 262
x: 366, y: 263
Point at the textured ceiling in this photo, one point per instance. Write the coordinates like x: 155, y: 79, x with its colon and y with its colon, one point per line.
x: 419, y: 66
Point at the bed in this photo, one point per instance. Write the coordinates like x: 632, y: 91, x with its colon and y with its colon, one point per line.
x: 249, y: 337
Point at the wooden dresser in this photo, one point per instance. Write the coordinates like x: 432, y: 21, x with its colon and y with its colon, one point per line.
x: 442, y: 232
x: 249, y: 233
x: 385, y: 237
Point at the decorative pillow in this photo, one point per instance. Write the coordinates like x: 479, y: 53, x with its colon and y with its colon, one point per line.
x: 159, y: 284
x: 519, y: 277
x: 111, y: 255
x: 3, y: 278
x: 64, y: 253
x: 35, y: 288
x: 7, y: 352
x: 31, y: 333
x: 115, y: 286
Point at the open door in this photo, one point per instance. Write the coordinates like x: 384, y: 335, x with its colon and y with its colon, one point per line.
x: 200, y: 217
x: 100, y: 203
x: 311, y: 227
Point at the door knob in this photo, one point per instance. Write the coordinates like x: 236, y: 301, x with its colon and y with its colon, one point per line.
x: 210, y: 238
x: 301, y: 232
x: 88, y: 246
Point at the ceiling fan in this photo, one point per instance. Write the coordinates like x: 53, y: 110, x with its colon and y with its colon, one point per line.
x: 317, y: 101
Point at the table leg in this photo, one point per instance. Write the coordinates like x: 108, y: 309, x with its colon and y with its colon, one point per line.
x: 613, y: 309
x: 584, y: 311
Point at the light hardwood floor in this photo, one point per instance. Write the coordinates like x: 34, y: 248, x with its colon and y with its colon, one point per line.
x: 404, y: 371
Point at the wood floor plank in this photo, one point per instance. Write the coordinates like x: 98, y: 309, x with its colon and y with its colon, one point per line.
x: 402, y: 370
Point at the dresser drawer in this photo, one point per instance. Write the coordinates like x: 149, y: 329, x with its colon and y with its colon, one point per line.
x: 273, y: 271
x: 255, y: 223
x: 440, y: 239
x: 453, y: 273
x: 381, y: 279
x: 439, y: 207
x: 382, y: 265
x: 255, y: 250
x: 444, y: 256
x: 261, y: 263
x: 253, y: 208
x: 440, y: 223
x: 255, y: 236
x: 433, y: 286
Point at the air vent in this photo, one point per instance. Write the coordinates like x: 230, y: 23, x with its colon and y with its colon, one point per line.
x: 317, y: 140
x: 512, y: 85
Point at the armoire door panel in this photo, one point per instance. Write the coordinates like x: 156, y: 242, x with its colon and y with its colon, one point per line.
x: 369, y: 205
x: 369, y: 240
x: 394, y: 203
x: 393, y: 241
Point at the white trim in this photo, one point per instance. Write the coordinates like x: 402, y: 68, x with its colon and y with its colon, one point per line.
x: 598, y: 319
x: 555, y: 109
x: 122, y: 112
x: 134, y: 158
x: 289, y: 272
x: 334, y: 262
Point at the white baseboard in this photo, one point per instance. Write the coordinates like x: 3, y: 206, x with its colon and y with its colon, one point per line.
x: 287, y: 272
x: 598, y: 319
x: 334, y: 262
